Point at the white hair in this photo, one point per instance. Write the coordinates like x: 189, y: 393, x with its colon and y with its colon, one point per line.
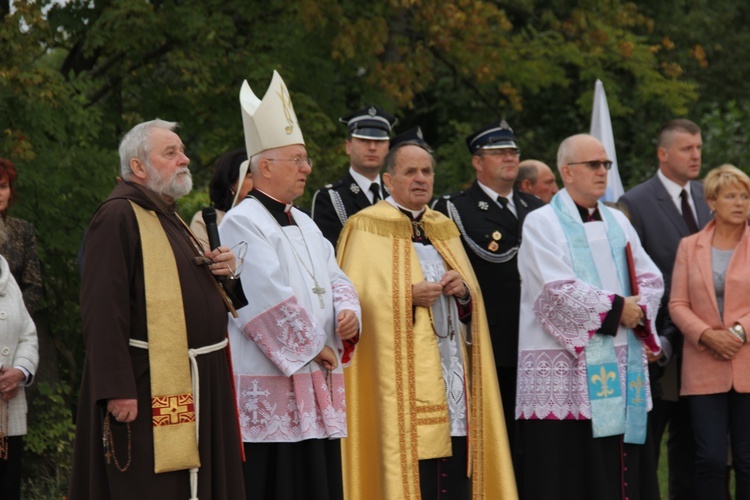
x: 255, y: 161
x: 136, y: 144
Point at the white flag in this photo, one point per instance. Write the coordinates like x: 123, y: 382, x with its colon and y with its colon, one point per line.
x: 601, y: 128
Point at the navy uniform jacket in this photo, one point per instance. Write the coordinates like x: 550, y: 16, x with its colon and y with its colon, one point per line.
x: 333, y: 204
x: 491, y: 236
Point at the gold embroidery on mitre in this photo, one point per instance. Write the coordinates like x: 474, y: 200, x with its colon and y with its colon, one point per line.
x: 172, y: 410
x: 286, y: 103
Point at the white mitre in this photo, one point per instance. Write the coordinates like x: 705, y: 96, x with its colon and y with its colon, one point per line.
x: 271, y: 122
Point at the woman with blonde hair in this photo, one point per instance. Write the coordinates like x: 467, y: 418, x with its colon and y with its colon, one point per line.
x: 710, y: 304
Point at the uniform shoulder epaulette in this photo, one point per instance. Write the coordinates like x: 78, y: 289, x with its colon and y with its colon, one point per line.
x: 528, y: 199
x: 441, y: 201
x: 330, y: 186
x: 451, y: 196
x: 339, y: 184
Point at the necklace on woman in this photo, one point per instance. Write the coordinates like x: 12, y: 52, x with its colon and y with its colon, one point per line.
x: 316, y: 289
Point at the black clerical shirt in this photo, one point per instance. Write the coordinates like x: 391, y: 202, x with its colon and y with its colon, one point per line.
x: 612, y: 320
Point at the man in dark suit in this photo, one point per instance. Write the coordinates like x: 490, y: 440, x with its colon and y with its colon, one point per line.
x: 663, y: 210
x: 366, y: 145
x: 489, y: 216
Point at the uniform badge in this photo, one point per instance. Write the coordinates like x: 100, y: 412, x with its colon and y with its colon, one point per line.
x: 483, y: 205
x: 355, y: 188
x: 523, y: 203
x: 493, y: 246
x: 497, y: 235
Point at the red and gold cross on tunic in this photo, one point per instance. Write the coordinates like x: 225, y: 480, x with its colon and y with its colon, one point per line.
x: 172, y: 410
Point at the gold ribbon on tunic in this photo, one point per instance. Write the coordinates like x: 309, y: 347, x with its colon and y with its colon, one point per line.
x: 172, y: 404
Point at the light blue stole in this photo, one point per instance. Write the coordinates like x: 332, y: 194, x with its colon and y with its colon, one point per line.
x: 603, y: 374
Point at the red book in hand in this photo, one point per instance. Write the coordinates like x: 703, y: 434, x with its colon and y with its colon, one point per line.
x: 641, y: 331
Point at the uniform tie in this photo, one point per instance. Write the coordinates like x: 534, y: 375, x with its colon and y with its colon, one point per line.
x: 687, y: 213
x: 504, y: 203
x: 375, y: 188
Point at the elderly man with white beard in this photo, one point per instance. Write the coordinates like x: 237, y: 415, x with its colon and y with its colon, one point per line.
x: 156, y: 416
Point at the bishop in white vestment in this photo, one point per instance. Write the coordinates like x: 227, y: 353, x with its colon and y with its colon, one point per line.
x: 301, y: 324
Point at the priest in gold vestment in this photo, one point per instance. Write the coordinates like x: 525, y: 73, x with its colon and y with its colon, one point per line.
x: 425, y: 416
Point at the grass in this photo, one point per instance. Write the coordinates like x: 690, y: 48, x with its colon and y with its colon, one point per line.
x: 663, y: 470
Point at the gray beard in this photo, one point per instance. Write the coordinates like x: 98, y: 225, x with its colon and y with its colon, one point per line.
x: 172, y: 187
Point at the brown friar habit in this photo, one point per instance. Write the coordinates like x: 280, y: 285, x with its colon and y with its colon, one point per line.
x: 113, y: 308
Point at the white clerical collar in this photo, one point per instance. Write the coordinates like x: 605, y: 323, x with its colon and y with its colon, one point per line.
x: 414, y: 213
x: 493, y: 195
x: 675, y: 189
x: 364, y: 183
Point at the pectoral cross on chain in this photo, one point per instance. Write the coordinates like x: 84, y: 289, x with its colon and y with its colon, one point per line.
x: 319, y: 291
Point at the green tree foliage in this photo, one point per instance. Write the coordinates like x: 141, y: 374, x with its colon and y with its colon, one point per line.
x: 725, y: 131
x: 51, y: 431
x: 75, y: 76
x: 471, y: 62
x: 710, y: 43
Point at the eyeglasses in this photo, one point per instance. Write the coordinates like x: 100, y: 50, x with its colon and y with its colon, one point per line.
x: 503, y: 153
x: 240, y: 250
x: 298, y: 160
x: 594, y: 164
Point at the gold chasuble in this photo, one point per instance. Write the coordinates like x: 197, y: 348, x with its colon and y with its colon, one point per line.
x: 172, y: 405
x: 395, y: 392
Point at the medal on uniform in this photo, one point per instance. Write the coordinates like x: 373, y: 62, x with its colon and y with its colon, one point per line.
x: 493, y: 246
x: 483, y: 205
x: 355, y: 188
x: 497, y: 235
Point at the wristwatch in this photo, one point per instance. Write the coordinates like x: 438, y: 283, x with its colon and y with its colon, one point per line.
x: 739, y: 332
x: 467, y: 296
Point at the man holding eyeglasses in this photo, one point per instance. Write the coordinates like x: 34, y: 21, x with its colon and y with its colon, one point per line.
x: 361, y: 186
x: 490, y: 215
x: 583, y: 394
x: 290, y: 343
x: 156, y: 415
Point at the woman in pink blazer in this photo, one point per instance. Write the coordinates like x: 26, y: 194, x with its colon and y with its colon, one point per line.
x: 710, y: 304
